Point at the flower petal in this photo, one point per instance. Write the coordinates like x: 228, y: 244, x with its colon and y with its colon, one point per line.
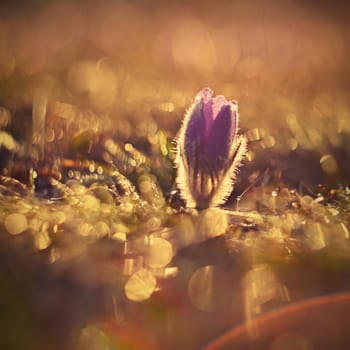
x: 222, y: 133
x: 211, y: 108
x: 205, y: 95
x: 218, y: 102
x: 209, y: 151
x: 195, y: 127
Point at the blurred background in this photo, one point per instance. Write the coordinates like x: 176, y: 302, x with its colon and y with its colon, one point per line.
x: 129, y: 68
x: 89, y: 84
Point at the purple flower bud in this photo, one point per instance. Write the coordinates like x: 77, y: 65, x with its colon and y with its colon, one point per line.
x: 209, y: 151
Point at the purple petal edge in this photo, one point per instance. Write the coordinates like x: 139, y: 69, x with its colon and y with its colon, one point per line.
x: 209, y: 108
x: 204, y: 95
x: 219, y: 102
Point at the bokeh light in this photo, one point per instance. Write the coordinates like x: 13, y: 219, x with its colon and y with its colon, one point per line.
x: 93, y: 231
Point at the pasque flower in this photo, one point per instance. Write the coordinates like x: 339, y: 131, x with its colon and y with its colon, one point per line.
x: 209, y: 151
